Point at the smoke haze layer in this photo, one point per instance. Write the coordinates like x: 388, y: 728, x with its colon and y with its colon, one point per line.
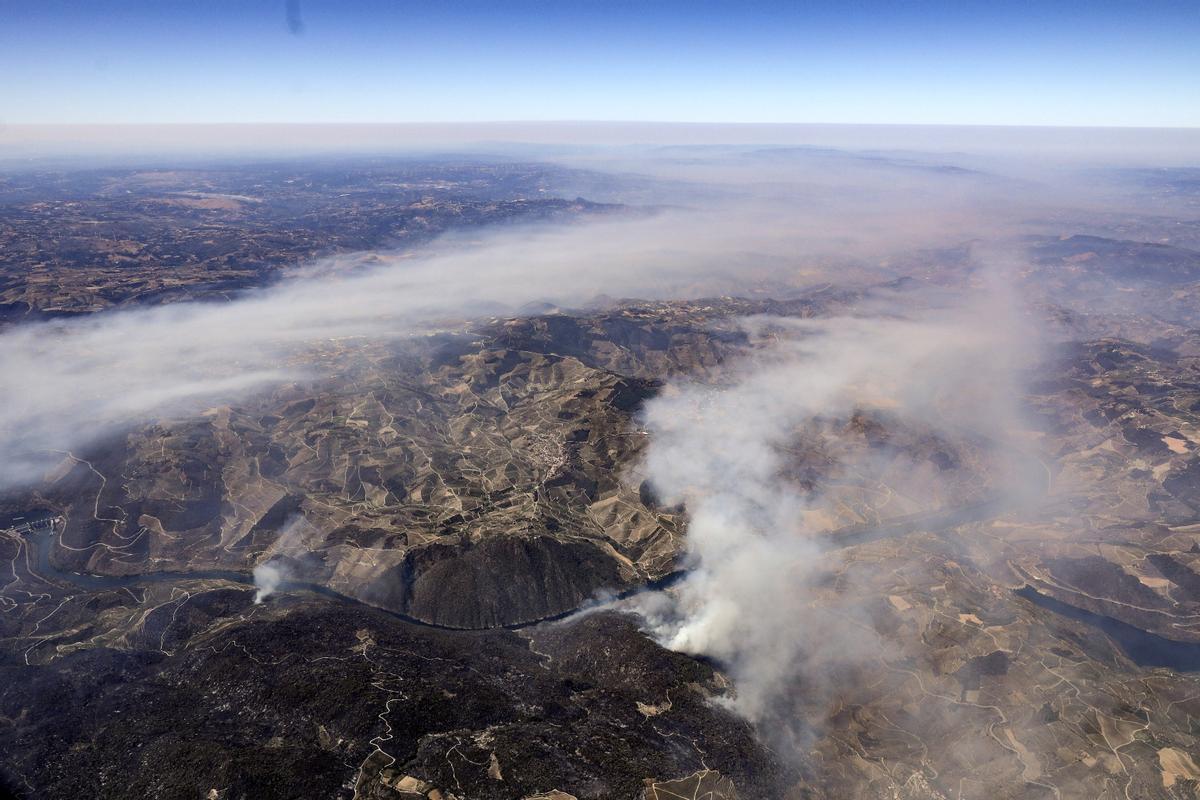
x: 749, y: 227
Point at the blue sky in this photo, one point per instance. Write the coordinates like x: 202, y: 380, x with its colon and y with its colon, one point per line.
x: 967, y: 62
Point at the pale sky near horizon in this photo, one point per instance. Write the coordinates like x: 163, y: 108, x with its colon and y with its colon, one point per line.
x: 1101, y: 63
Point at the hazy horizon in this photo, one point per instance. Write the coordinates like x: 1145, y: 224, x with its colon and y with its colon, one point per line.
x: 129, y: 141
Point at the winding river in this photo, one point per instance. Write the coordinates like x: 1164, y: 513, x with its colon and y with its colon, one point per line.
x: 1143, y: 648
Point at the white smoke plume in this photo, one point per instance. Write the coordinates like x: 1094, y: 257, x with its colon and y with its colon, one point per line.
x: 722, y: 452
x: 281, y: 565
x: 267, y: 578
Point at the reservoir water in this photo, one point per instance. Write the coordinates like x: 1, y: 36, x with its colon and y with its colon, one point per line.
x: 1143, y: 648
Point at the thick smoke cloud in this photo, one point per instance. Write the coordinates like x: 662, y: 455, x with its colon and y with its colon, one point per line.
x: 723, y: 452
